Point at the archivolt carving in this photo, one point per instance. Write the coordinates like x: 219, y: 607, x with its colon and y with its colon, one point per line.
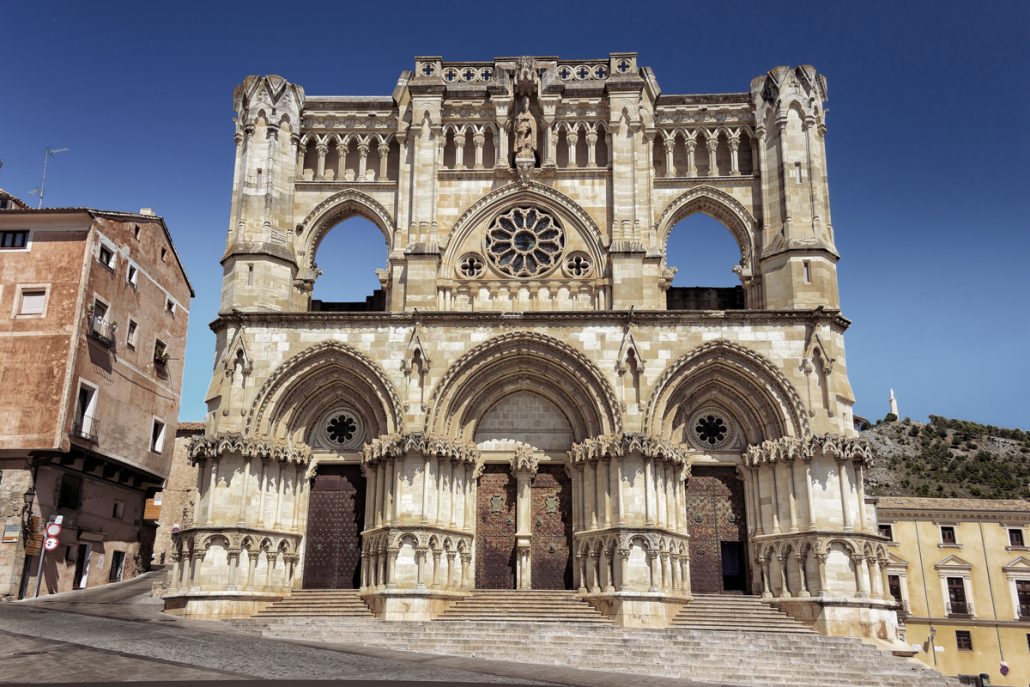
x: 723, y: 207
x: 215, y: 446
x: 742, y: 363
x: 301, y: 365
x: 789, y: 449
x: 571, y: 381
x: 338, y: 207
x: 527, y: 193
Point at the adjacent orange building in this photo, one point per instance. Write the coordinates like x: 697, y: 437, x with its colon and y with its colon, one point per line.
x: 94, y: 307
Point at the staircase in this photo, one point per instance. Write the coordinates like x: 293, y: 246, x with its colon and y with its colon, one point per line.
x: 335, y: 603
x: 540, y: 606
x: 726, y: 612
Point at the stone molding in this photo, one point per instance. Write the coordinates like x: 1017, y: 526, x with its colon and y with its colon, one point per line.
x: 326, y: 214
x: 723, y: 207
x: 196, y: 540
x: 617, y: 445
x: 789, y: 449
x: 524, y: 460
x: 216, y: 445
x: 398, y: 445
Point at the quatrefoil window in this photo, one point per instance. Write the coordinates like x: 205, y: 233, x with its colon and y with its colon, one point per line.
x: 470, y: 266
x: 578, y: 265
x: 450, y: 74
x: 564, y: 72
x: 525, y: 242
x: 623, y: 65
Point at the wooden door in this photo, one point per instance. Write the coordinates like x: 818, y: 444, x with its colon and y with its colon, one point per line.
x: 552, y: 529
x: 495, y: 529
x: 718, y: 530
x: 336, y: 513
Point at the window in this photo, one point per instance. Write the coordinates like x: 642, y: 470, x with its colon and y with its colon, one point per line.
x: 132, y: 334
x: 957, y: 596
x: 1023, y: 598
x: 948, y: 535
x: 100, y: 327
x: 32, y: 301
x: 70, y: 495
x: 157, y: 436
x: 118, y: 512
x: 160, y: 353
x: 135, y: 231
x: 84, y: 425
x: 887, y: 531
x: 164, y: 253
x: 894, y: 587
x: 14, y: 240
x: 808, y: 271
x: 117, y: 566
x: 132, y: 274
x: 106, y: 256
x: 964, y: 640
x: 169, y: 306
x: 1016, y: 538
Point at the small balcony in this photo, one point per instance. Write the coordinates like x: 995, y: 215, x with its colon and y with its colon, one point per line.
x: 959, y: 608
x: 85, y: 428
x: 101, y: 330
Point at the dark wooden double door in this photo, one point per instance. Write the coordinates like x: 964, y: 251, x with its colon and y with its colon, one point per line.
x: 336, y: 514
x: 718, y: 531
x: 497, y: 524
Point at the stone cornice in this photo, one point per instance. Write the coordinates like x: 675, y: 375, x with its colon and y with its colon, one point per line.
x: 214, y: 446
x: 891, y: 515
x: 397, y: 445
x: 789, y: 449
x: 558, y: 319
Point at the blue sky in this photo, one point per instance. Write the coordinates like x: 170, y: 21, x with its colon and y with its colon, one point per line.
x: 928, y: 146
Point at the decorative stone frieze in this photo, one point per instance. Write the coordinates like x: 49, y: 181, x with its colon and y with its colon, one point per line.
x: 214, y: 446
x: 788, y: 449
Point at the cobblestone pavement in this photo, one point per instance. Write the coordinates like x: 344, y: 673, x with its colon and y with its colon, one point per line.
x: 118, y: 633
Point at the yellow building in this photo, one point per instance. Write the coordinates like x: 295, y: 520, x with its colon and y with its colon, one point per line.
x: 960, y: 568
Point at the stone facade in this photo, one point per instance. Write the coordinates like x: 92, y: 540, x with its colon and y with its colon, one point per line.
x: 960, y: 570
x: 94, y: 308
x: 177, y: 499
x: 528, y: 339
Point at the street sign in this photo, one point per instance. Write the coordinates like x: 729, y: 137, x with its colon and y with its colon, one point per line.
x: 53, y: 529
x: 50, y: 543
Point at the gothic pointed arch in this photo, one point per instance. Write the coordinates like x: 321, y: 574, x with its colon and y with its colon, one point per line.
x: 719, y: 205
x: 572, y: 215
x: 759, y: 399
x: 523, y: 362
x: 313, y: 382
x: 331, y: 212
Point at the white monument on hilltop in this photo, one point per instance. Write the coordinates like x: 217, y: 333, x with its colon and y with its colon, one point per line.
x: 894, y: 405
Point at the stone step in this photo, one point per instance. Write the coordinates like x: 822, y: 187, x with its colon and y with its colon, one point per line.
x: 334, y: 603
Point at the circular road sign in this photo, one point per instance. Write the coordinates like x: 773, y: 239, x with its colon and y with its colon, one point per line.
x: 50, y: 543
x: 53, y: 529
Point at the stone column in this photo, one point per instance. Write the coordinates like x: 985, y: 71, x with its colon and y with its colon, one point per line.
x: 262, y: 485
x: 775, y: 499
x: 591, y: 148
x: 616, y: 477
x: 277, y: 521
x: 860, y: 576
x: 479, y: 139
x: 649, y: 494
x: 885, y: 582
x: 425, y: 490
x: 452, y: 485
x: 809, y: 505
x: 845, y: 491
x: 601, y: 483
x: 362, y: 160
x: 322, y: 149
x: 212, y: 489
x: 691, y: 144
x: 763, y: 563
x: 734, y: 146
x: 572, y: 138
x: 784, y: 579
x: 860, y: 486
x: 341, y: 159
x: 298, y: 491
x: 384, y: 160
x: 670, y: 161
x: 802, y: 575
x: 459, y: 151
x: 524, y: 464
x: 713, y: 147
x: 244, y: 492
x: 792, y: 497
x: 820, y: 559
x: 589, y: 511
x: 378, y: 482
x: 298, y: 170
x: 756, y: 490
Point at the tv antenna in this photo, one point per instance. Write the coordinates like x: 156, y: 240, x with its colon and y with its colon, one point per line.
x: 49, y: 153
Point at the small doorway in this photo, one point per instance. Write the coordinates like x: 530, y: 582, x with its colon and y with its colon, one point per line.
x: 718, y: 531
x: 495, y: 528
x: 336, y: 517
x: 552, y: 528
x: 734, y: 560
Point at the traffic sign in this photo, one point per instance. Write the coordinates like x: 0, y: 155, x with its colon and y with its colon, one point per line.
x: 50, y: 543
x: 53, y: 529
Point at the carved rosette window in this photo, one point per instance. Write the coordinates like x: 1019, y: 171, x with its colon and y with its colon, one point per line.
x: 711, y: 429
x: 578, y: 265
x: 525, y: 242
x: 341, y: 429
x: 470, y: 266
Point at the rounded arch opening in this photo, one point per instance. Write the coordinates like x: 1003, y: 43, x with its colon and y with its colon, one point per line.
x: 704, y: 254
x: 346, y: 258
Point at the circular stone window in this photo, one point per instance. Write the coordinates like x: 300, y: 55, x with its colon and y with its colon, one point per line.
x: 578, y: 265
x: 342, y: 429
x: 470, y: 266
x: 710, y: 429
x: 525, y: 242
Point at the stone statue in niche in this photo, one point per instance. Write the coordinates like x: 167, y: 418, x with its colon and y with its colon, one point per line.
x: 525, y: 134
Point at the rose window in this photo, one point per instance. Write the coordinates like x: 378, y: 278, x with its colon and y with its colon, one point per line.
x: 711, y: 429
x: 341, y: 429
x: 525, y: 242
x: 470, y: 266
x: 578, y: 265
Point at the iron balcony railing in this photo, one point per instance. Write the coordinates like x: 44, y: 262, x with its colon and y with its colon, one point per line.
x: 86, y: 427
x: 960, y: 608
x: 1024, y: 611
x: 101, y: 330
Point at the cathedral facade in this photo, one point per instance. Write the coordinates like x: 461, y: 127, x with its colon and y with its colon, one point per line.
x: 527, y: 402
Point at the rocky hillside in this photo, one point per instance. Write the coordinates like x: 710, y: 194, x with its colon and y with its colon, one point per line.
x: 948, y: 458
